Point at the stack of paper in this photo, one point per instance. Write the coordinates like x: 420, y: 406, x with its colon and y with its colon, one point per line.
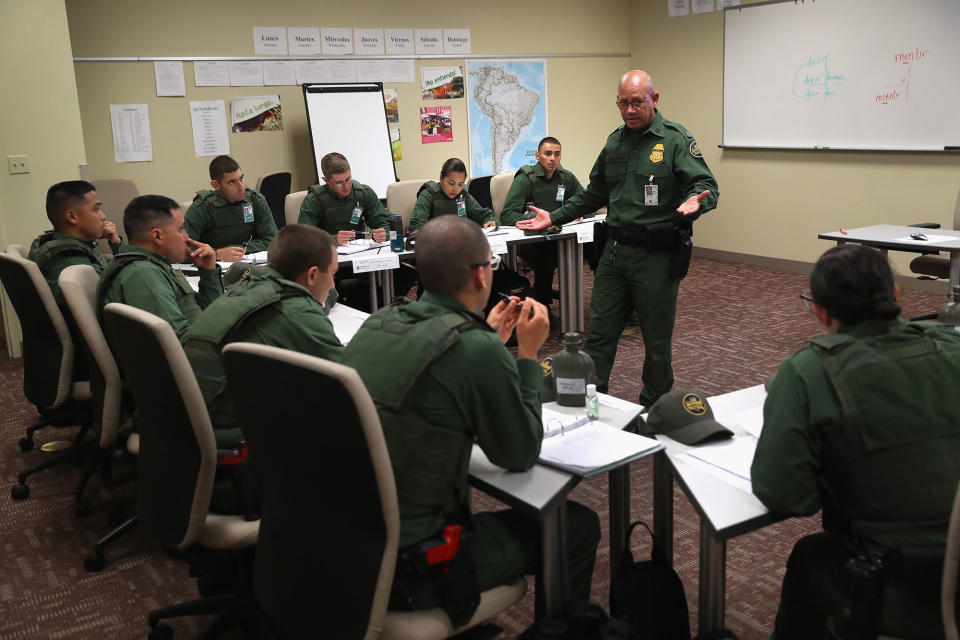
x: 728, y: 461
x: 260, y: 257
x: 356, y: 246
x: 593, y: 447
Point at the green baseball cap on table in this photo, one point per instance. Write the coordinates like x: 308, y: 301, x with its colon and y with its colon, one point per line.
x: 686, y: 417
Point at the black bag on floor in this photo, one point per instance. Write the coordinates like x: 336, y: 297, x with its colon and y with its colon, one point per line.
x: 649, y: 595
x: 581, y: 621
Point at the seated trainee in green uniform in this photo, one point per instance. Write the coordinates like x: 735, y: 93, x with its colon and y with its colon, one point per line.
x: 863, y: 423
x: 342, y: 206
x: 78, y: 222
x: 448, y: 197
x: 229, y: 217
x: 280, y: 307
x: 442, y: 380
x: 142, y: 276
x: 546, y: 185
x: 73, y: 209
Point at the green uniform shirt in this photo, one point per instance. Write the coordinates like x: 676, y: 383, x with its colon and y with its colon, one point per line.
x: 665, y: 156
x: 787, y: 473
x: 54, y: 251
x: 537, y: 189
x: 432, y: 203
x: 323, y: 208
x: 294, y: 322
x: 474, y: 390
x: 155, y: 286
x: 213, y: 220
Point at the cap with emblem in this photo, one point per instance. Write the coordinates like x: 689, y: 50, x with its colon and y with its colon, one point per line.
x: 686, y: 417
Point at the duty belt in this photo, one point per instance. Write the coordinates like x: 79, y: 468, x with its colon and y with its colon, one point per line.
x: 630, y: 237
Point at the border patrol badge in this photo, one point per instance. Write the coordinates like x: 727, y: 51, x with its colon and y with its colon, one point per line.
x: 695, y: 150
x: 693, y: 404
x: 657, y: 154
x: 547, y: 365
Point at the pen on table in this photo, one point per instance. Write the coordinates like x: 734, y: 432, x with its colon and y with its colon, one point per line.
x: 498, y: 233
x: 842, y: 231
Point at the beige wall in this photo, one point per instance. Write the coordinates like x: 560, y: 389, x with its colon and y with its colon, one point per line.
x: 41, y: 120
x: 773, y: 203
x: 578, y: 88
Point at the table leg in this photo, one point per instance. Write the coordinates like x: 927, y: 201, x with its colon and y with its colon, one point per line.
x: 571, y: 284
x: 372, y: 280
x: 663, y: 504
x: 713, y: 570
x: 619, y: 488
x: 386, y: 285
x: 552, y: 580
x: 954, y: 270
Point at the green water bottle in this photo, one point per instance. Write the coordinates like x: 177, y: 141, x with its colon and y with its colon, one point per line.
x: 573, y: 370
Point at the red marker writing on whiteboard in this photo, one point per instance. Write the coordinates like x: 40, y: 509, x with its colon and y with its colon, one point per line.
x: 843, y: 232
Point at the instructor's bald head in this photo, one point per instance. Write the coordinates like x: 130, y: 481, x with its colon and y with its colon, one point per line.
x: 446, y: 247
x: 637, y: 100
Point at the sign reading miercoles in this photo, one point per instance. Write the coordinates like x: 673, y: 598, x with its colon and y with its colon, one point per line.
x: 270, y: 41
x: 368, y: 41
x: 399, y: 41
x: 337, y: 41
x: 456, y: 41
x: 304, y: 40
x: 429, y: 41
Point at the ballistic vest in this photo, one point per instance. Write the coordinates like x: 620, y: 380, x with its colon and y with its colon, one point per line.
x: 390, y: 352
x: 45, y: 250
x: 229, y: 225
x: 545, y: 194
x: 891, y: 463
x: 440, y: 204
x: 335, y: 212
x: 211, y: 331
x: 186, y: 298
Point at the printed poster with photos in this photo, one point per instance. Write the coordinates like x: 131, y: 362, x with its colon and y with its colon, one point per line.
x: 436, y: 124
x: 256, y: 113
x: 391, y: 105
x: 442, y: 83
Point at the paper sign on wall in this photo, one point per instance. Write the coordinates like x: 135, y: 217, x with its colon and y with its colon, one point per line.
x: 441, y: 83
x: 211, y: 74
x: 368, y: 41
x: 456, y: 41
x: 256, y: 113
x: 436, y: 124
x: 336, y: 41
x: 399, y: 41
x: 169, y: 77
x: 270, y: 41
x: 209, y: 120
x: 429, y: 41
x: 130, y: 124
x: 303, y: 40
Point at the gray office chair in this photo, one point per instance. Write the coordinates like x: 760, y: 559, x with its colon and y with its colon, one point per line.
x: 48, y: 353
x: 178, y: 456
x: 326, y: 556
x: 934, y: 266
x: 275, y: 187
x: 291, y: 207
x: 79, y: 286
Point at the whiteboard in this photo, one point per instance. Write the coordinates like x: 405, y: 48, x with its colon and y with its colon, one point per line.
x: 351, y: 119
x: 848, y: 74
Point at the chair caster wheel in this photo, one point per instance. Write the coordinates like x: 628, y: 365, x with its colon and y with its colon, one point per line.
x: 26, y: 443
x: 81, y: 509
x: 19, y: 491
x: 94, y: 562
x: 161, y: 632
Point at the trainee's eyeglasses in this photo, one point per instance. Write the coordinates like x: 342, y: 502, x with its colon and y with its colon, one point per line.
x: 494, y: 263
x: 340, y: 183
x: 635, y: 103
x: 807, y: 300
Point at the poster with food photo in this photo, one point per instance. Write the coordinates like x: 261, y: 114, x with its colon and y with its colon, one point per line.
x: 256, y: 113
x: 436, y: 124
x: 442, y: 83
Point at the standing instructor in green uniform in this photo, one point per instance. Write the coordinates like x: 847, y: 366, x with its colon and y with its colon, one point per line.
x: 229, y: 217
x: 654, y: 181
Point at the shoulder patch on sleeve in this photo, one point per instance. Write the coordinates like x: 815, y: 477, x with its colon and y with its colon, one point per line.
x: 695, y: 149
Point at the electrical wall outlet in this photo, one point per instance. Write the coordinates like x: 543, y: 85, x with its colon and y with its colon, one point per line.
x: 18, y: 164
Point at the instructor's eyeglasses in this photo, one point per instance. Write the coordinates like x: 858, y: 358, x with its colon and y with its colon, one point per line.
x: 635, y: 103
x: 494, y: 263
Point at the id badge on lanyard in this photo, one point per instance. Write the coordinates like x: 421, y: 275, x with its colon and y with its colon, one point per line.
x: 355, y: 216
x: 461, y: 206
x: 562, y: 189
x: 247, y: 209
x: 651, y: 194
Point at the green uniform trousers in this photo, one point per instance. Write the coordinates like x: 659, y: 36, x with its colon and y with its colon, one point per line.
x: 507, y: 546
x: 813, y: 591
x: 634, y: 280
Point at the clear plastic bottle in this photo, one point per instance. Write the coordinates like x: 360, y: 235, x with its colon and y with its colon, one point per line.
x: 950, y: 313
x: 592, y: 402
